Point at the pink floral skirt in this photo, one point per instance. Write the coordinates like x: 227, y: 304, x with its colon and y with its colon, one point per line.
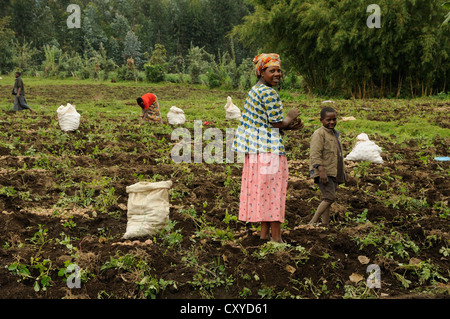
x: 263, y: 188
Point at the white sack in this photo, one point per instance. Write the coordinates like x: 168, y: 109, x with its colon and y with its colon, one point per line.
x: 365, y: 150
x: 68, y: 117
x: 233, y: 112
x: 148, y: 208
x: 176, y: 116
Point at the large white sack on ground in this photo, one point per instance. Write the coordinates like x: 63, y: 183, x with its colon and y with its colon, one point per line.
x: 176, y: 116
x: 68, y: 117
x: 147, y: 209
x: 365, y: 150
x: 232, y: 111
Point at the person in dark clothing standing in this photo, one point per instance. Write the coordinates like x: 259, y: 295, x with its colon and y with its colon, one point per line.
x: 19, y: 91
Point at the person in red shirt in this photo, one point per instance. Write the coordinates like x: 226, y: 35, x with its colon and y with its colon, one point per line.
x: 150, y: 108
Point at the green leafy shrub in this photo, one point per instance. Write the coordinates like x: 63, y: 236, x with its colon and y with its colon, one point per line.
x: 155, y: 72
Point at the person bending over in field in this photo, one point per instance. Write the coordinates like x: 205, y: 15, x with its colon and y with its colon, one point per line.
x: 150, y: 108
x: 265, y: 171
x: 19, y: 92
x: 326, y: 163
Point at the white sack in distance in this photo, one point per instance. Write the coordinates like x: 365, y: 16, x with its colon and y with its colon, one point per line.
x: 365, y: 150
x: 68, y: 117
x: 147, y: 209
x: 233, y: 112
x: 176, y: 116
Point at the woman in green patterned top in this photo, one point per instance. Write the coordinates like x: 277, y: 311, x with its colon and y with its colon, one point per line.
x: 265, y: 171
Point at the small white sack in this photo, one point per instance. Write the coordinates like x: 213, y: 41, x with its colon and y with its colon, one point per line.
x: 176, y: 116
x: 365, y: 150
x: 68, y: 117
x: 148, y: 208
x: 233, y: 112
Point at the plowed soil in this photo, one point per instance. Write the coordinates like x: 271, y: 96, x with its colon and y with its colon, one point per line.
x: 54, y: 181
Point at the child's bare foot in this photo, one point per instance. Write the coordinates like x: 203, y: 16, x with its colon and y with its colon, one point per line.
x: 277, y: 240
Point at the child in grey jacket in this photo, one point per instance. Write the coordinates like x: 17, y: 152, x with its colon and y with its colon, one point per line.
x: 326, y: 163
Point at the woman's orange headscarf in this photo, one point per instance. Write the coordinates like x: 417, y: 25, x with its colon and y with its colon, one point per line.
x: 266, y: 60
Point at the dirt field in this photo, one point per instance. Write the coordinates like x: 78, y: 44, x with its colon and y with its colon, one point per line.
x: 63, y: 201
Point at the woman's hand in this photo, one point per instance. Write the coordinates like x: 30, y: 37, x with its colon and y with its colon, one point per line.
x: 291, y: 116
x: 293, y: 113
x: 295, y: 124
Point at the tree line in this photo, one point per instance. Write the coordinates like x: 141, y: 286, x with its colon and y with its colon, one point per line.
x: 327, y: 46
x: 121, y: 36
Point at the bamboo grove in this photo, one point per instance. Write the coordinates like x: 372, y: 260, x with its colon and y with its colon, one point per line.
x: 331, y: 45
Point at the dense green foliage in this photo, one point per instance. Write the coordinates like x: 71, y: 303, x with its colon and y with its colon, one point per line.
x: 331, y: 45
x: 115, y: 35
x: 6, y: 52
x: 174, y: 23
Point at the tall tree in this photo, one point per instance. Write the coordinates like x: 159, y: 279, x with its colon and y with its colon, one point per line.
x: 6, y: 8
x: 94, y: 36
x: 132, y: 49
x: 22, y: 18
x: 6, y: 50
